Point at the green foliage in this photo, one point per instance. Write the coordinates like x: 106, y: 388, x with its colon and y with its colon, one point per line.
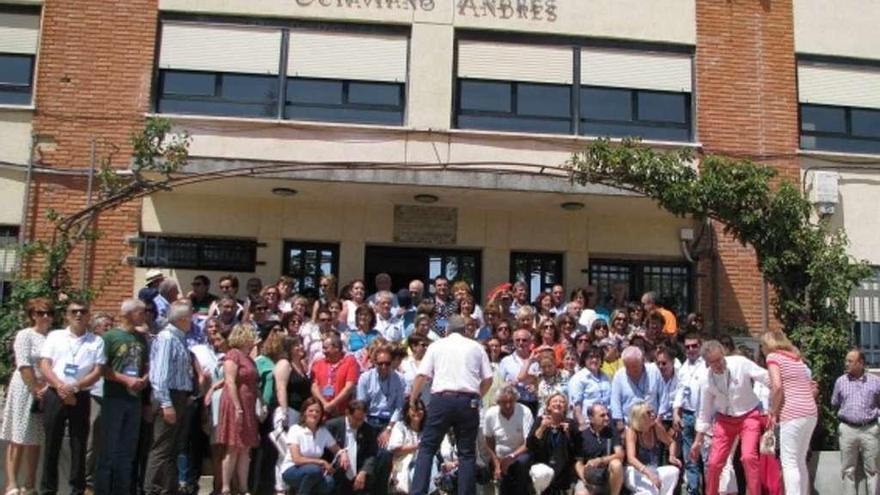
x: 155, y: 149
x: 805, y: 262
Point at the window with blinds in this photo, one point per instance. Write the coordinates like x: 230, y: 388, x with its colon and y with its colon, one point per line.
x: 839, y: 106
x: 316, y: 73
x: 564, y: 89
x: 19, y: 39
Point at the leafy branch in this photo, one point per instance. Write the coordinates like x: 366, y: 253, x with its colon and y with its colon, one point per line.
x: 805, y: 262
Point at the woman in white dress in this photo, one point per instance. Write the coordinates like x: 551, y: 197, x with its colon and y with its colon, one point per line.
x: 22, y: 422
x: 404, y: 445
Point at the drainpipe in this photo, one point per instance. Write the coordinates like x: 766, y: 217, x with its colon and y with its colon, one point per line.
x: 85, y: 254
x: 22, y: 234
x: 765, y: 305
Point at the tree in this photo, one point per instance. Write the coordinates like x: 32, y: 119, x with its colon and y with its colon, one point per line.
x: 805, y: 262
x: 157, y: 154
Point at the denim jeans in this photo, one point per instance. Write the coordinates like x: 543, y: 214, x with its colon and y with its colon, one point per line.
x: 121, y: 424
x: 461, y: 412
x: 309, y: 479
x: 692, y: 469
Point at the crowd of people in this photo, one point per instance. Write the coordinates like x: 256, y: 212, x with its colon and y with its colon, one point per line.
x: 338, y: 391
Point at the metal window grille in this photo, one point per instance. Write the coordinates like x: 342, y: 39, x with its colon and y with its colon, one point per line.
x: 671, y: 281
x: 864, y: 302
x: 307, y: 262
x: 8, y: 258
x: 199, y: 253
x: 540, y: 271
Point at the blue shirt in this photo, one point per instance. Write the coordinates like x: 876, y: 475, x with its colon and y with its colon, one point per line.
x: 170, y: 365
x: 357, y: 340
x: 384, y: 398
x: 625, y: 392
x: 510, y: 367
x: 586, y: 389
x: 667, y: 395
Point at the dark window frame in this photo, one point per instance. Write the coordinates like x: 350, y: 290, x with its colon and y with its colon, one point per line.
x: 218, y: 90
x: 513, y: 94
x: 543, y: 259
x: 846, y: 135
x: 635, y: 120
x: 636, y: 282
x: 575, y: 119
x: 458, y: 254
x: 27, y: 89
x: 9, y: 237
x: 151, y: 244
x: 300, y: 283
x: 346, y: 103
x: 281, y: 99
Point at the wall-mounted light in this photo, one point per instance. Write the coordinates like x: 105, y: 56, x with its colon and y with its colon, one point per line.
x: 284, y: 191
x: 572, y: 206
x: 426, y: 198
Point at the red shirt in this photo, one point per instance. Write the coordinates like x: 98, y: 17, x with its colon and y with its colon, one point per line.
x: 332, y: 378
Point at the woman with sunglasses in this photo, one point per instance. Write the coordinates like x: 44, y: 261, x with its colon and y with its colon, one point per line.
x: 646, y: 473
x: 548, y: 336
x: 404, y: 445
x: 504, y: 334
x: 22, y: 421
x: 409, y: 367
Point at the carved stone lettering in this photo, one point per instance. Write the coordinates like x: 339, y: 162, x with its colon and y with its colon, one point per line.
x: 424, y: 5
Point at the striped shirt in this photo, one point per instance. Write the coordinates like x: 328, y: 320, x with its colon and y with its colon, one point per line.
x: 170, y: 365
x: 857, y: 398
x: 799, y: 401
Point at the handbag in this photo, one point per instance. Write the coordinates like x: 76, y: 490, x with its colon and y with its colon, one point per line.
x: 768, y: 442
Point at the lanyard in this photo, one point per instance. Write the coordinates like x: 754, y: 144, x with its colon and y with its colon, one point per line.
x: 74, y: 352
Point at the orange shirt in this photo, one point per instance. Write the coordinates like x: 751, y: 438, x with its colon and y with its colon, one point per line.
x: 670, y: 325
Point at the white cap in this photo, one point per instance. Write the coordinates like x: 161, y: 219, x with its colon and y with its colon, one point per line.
x: 153, y: 275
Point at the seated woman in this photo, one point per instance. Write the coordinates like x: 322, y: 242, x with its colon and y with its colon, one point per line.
x: 304, y: 468
x: 555, y: 447
x: 644, y: 434
x: 404, y: 445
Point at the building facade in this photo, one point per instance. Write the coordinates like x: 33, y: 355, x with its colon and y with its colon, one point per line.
x: 420, y: 137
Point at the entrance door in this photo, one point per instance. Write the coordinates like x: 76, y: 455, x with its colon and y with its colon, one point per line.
x: 405, y: 264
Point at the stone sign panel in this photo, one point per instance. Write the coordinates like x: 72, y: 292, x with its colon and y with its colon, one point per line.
x: 425, y: 224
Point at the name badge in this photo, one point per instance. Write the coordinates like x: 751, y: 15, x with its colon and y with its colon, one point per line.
x: 328, y: 391
x: 384, y: 414
x: 70, y: 370
x: 130, y: 371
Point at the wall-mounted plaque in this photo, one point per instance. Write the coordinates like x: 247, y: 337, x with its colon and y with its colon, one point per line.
x: 425, y: 224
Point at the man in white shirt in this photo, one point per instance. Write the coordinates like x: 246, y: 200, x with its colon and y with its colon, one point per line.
x: 388, y: 324
x: 71, y: 360
x: 685, y: 405
x: 511, y: 366
x: 461, y: 374
x: 728, y: 391
x: 506, y: 426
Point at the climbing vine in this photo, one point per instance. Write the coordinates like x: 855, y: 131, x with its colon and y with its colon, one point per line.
x: 804, y: 261
x: 157, y: 153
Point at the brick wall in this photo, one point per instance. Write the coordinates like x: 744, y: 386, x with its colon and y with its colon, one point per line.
x: 93, y: 84
x: 747, y: 106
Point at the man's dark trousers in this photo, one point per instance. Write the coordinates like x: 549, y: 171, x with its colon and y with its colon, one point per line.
x: 461, y: 412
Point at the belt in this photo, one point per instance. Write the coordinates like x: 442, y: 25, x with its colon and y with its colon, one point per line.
x: 456, y: 393
x: 858, y: 425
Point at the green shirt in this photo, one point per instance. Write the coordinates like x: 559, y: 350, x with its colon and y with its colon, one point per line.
x: 126, y: 354
x: 266, y: 379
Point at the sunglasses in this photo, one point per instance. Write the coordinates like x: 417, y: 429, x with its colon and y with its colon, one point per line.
x: 42, y: 313
x: 692, y: 346
x: 383, y: 363
x: 579, y: 341
x: 78, y: 311
x: 521, y: 340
